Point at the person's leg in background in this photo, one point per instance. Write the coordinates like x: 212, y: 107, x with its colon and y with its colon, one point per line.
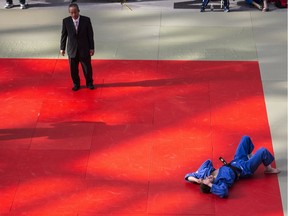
x: 9, y: 4
x: 226, y: 6
x: 22, y: 4
x: 255, y: 3
x: 204, y: 5
x: 265, y: 6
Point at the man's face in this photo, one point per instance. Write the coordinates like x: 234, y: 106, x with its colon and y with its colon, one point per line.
x: 74, y: 12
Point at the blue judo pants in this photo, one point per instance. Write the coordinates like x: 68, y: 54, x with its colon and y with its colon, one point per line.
x: 249, y: 166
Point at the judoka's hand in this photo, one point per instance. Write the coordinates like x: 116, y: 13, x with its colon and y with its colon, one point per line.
x: 62, y: 52
x: 91, y: 52
x: 207, y: 181
x: 195, y: 180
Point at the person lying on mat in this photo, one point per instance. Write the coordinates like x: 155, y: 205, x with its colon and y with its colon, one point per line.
x: 217, y: 181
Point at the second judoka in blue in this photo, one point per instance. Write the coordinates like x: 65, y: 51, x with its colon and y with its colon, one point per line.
x: 218, y: 181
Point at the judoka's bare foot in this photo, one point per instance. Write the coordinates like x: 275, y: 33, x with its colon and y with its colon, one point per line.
x: 270, y: 170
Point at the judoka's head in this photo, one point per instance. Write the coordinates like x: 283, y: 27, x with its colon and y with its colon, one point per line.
x: 74, y: 10
x: 205, y: 188
x: 204, y: 185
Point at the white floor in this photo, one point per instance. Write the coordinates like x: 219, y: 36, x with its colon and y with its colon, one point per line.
x: 154, y: 30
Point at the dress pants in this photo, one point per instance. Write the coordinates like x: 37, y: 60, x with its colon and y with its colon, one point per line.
x: 86, y: 67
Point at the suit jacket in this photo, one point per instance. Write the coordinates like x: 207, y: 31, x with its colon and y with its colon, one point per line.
x: 81, y: 41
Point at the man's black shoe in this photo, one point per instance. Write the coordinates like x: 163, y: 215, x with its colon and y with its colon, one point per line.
x: 76, y: 88
x: 91, y: 87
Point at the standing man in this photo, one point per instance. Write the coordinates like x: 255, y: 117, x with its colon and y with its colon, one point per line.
x: 78, y: 29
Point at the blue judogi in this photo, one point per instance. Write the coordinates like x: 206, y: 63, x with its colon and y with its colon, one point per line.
x: 226, y: 175
x: 204, y: 171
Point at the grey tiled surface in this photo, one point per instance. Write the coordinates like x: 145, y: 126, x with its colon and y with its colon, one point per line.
x: 154, y: 30
x: 207, y: 43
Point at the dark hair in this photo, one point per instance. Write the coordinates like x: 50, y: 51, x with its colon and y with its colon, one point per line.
x: 205, y: 188
x: 74, y: 5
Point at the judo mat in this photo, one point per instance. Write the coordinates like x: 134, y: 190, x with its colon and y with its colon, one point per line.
x: 124, y: 148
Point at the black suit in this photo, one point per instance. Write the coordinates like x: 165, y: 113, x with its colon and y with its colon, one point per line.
x: 80, y: 43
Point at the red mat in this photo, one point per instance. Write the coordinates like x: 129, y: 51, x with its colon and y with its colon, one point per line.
x: 124, y: 148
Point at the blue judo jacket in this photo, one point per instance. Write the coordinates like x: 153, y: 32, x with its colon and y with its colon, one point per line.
x: 223, y: 181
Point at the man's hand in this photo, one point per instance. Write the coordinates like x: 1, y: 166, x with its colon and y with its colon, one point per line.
x: 62, y: 52
x: 207, y: 181
x: 91, y: 52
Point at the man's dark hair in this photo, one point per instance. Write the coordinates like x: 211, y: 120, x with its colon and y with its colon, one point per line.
x: 74, y: 5
x: 205, y: 188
